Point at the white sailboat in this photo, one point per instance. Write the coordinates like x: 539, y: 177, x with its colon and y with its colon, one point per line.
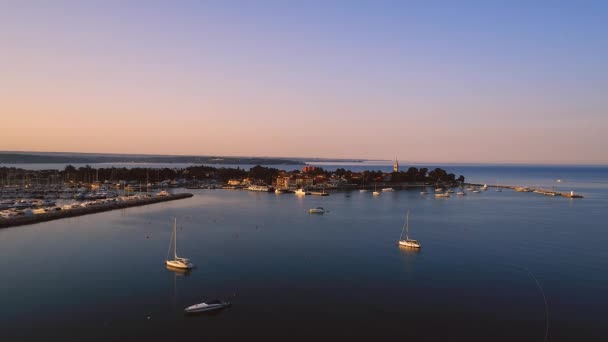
x: 407, y: 242
x: 376, y: 192
x: 177, y: 262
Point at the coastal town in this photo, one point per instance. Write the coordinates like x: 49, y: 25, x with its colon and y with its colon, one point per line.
x: 29, y: 193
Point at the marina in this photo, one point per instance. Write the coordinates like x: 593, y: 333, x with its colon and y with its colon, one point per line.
x: 86, y: 208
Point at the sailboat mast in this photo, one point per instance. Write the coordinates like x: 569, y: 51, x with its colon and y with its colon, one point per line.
x: 407, y: 224
x: 175, y: 238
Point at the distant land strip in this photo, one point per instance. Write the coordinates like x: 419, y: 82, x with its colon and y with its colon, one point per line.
x: 29, y: 158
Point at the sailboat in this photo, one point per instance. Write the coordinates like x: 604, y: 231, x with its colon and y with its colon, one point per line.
x: 408, y: 242
x: 177, y: 262
x: 363, y: 189
x: 376, y: 192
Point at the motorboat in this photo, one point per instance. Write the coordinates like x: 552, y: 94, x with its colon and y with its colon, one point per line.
x: 461, y: 193
x: 387, y: 189
x: 177, y: 262
x: 317, y: 210
x: 209, y: 306
x: 300, y: 192
x: 407, y: 242
x: 441, y: 195
x: 362, y: 190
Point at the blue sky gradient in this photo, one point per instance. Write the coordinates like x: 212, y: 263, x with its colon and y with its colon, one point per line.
x: 443, y: 81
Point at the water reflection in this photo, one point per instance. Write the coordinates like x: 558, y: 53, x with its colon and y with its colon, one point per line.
x: 180, y: 272
x: 408, y: 250
x: 410, y: 256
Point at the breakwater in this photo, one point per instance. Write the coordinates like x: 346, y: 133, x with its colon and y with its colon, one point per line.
x: 79, y: 211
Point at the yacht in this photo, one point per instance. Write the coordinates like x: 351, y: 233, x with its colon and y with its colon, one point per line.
x: 260, y: 188
x: 300, y: 192
x: 209, y: 306
x: 475, y: 191
x: 407, y: 242
x: 178, y: 262
x: 440, y: 195
x: 461, y: 193
x: 362, y: 190
x: 317, y: 210
x: 387, y: 189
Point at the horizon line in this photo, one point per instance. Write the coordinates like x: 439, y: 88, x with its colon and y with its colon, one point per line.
x: 314, y: 158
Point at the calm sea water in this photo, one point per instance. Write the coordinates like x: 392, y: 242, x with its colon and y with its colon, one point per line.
x: 340, y: 275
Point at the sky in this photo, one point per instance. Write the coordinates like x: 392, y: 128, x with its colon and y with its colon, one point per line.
x: 426, y: 81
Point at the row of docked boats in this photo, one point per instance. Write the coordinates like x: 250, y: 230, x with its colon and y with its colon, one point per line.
x: 23, y: 204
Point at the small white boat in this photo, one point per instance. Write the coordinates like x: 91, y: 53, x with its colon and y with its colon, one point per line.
x: 438, y: 189
x: 177, y: 262
x: 388, y: 189
x: 363, y: 190
x: 300, y: 192
x: 317, y: 210
x: 407, y: 242
x: 442, y: 195
x: 450, y: 191
x: 424, y: 192
x: 461, y: 193
x: 210, y: 306
x: 475, y: 191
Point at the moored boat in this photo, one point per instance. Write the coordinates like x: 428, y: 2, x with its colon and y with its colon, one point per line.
x: 407, y: 242
x: 178, y: 262
x: 208, y: 306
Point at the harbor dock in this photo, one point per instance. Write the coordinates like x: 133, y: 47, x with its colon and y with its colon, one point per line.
x: 541, y: 191
x: 92, y: 209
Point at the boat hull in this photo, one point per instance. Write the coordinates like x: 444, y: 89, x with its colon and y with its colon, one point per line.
x: 198, y: 309
x: 409, y: 244
x: 179, y: 264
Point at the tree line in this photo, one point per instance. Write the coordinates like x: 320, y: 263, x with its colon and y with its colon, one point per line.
x: 88, y: 174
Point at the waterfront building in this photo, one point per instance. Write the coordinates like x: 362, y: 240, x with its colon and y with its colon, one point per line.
x: 283, y: 182
x: 308, y: 169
